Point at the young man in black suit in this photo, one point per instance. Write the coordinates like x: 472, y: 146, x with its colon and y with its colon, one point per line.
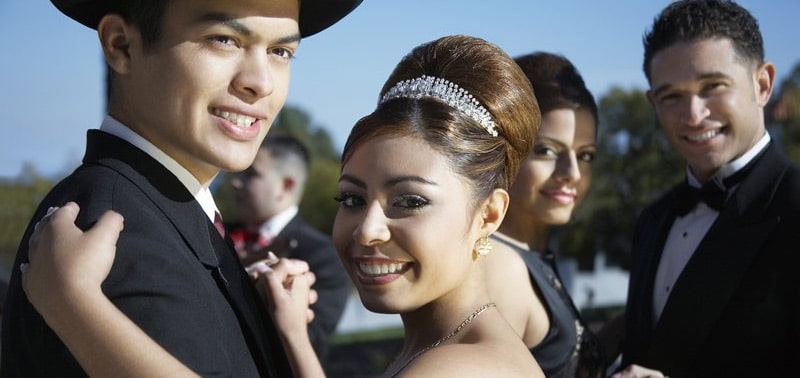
x: 196, y: 86
x: 714, y: 289
x: 267, y: 197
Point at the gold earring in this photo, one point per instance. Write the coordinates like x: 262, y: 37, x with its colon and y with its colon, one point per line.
x: 483, y: 246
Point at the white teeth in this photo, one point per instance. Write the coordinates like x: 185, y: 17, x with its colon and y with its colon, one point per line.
x: 238, y: 119
x: 377, y: 269
x: 706, y: 135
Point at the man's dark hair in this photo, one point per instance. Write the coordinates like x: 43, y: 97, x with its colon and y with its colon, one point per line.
x: 693, y: 20
x: 283, y: 146
x: 146, y: 15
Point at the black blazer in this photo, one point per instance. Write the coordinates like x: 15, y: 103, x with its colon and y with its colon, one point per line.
x: 733, y: 311
x: 298, y: 240
x: 173, y: 275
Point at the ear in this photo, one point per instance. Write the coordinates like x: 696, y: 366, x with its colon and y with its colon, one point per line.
x: 493, y: 211
x: 115, y: 36
x: 650, y: 98
x: 764, y: 82
x: 289, y: 184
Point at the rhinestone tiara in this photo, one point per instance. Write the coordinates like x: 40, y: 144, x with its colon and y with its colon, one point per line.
x: 444, y: 90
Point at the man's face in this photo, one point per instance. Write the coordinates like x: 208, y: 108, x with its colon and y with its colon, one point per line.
x: 259, y: 190
x: 709, y: 101
x: 210, y: 88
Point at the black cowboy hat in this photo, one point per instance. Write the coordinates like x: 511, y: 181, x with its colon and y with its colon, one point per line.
x: 315, y: 15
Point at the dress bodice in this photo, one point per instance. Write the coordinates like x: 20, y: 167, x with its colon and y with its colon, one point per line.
x: 569, y: 349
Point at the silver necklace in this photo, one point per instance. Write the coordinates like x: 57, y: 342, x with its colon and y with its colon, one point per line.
x: 436, y: 343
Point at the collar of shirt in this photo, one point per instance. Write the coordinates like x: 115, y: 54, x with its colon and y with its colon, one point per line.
x: 277, y: 223
x: 732, y: 167
x: 201, y: 193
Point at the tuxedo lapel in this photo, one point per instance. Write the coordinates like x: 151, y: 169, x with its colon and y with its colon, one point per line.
x: 648, y: 253
x: 711, y: 276
x: 243, y: 297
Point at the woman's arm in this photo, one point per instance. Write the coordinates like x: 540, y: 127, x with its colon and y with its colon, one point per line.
x: 288, y: 300
x: 103, y: 340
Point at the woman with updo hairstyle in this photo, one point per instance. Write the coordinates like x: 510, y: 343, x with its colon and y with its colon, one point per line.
x: 489, y: 161
x: 553, y: 180
x: 424, y: 183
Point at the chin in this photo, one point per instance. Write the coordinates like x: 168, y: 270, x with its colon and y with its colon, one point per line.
x: 237, y: 165
x: 556, y: 217
x: 377, y: 304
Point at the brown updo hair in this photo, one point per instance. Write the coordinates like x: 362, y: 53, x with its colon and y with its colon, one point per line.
x: 557, y: 83
x: 491, y: 77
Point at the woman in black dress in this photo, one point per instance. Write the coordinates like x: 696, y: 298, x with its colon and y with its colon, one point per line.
x: 552, y: 182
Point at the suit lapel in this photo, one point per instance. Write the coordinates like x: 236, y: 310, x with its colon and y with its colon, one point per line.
x: 189, y: 219
x: 711, y: 276
x: 243, y: 297
x: 160, y: 185
x: 640, y: 306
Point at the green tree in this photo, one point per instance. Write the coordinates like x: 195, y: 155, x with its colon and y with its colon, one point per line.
x: 783, y: 114
x: 18, y: 201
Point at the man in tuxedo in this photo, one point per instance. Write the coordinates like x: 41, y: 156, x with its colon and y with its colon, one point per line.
x: 267, y: 197
x: 714, y: 289
x: 196, y: 85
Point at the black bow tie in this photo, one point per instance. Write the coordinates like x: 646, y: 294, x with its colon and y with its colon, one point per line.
x: 711, y: 193
x: 688, y: 196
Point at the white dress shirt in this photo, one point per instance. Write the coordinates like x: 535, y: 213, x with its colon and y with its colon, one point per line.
x: 201, y: 193
x: 689, y: 230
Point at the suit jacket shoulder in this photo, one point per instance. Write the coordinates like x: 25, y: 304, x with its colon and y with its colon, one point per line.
x: 168, y: 276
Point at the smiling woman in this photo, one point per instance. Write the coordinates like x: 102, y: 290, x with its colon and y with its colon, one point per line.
x: 424, y: 183
x: 553, y: 181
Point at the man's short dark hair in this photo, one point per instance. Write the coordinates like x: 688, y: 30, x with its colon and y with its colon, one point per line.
x: 146, y: 15
x: 283, y: 146
x: 693, y: 20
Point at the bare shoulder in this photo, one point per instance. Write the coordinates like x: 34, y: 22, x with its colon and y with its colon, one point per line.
x: 474, y: 360
x: 504, y: 264
x: 510, y: 286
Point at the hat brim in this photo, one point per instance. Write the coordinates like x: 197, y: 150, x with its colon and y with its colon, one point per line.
x: 315, y: 15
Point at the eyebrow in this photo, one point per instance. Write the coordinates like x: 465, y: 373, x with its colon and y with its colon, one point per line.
x: 353, y: 180
x: 705, y: 76
x: 391, y: 182
x: 234, y: 24
x: 563, y: 145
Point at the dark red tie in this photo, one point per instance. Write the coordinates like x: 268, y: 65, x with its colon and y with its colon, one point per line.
x: 218, y: 224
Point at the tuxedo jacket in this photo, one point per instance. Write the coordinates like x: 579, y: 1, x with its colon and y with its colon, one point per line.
x: 298, y: 240
x: 173, y: 275
x: 733, y: 311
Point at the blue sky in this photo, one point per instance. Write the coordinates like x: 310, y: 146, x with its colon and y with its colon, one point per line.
x: 51, y: 73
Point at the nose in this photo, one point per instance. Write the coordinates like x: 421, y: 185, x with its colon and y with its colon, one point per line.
x: 254, y: 79
x: 373, y: 229
x: 696, y: 111
x: 567, y: 169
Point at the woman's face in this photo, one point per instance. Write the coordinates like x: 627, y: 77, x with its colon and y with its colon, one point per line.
x: 405, y: 228
x: 557, y: 173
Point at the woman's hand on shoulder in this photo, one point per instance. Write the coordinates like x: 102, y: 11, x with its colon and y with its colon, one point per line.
x: 64, y: 261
